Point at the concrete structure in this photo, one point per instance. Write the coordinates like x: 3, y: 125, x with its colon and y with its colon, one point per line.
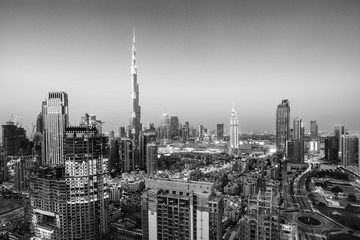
x: 71, y: 201
x: 262, y: 218
x: 234, y: 130
x: 174, y: 209
x: 135, y: 125
x: 56, y: 119
x: 282, y: 125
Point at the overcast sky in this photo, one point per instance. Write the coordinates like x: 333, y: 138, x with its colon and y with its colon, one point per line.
x: 195, y: 58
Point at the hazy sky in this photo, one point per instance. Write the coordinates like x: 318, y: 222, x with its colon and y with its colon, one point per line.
x: 195, y: 58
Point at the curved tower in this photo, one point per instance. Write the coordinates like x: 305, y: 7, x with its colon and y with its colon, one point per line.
x: 135, y: 109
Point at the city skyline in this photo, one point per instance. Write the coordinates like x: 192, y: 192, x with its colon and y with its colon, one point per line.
x: 194, y: 59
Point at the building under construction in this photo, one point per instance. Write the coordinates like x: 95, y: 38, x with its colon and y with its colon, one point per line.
x: 71, y: 201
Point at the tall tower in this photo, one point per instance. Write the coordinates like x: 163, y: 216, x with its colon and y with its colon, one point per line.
x: 234, y: 130
x: 297, y: 128
x: 313, y: 129
x: 135, y: 109
x: 282, y: 124
x: 56, y: 119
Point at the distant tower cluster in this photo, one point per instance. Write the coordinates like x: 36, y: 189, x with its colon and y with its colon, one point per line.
x: 282, y: 125
x: 135, y: 112
x: 234, y: 130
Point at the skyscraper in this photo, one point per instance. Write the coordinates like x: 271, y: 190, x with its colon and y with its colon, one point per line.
x: 282, y: 125
x: 71, y: 201
x: 146, y: 137
x: 151, y: 159
x: 220, y: 131
x: 234, y: 130
x: 3, y: 165
x: 339, y: 130
x: 164, y: 126
x: 313, y: 129
x: 127, y: 154
x: 350, y: 150
x: 174, y: 127
x: 13, y: 137
x: 175, y: 209
x: 298, y: 128
x: 56, y: 119
x: 135, y: 111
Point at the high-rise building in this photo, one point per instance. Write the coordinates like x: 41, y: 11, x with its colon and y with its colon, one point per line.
x: 298, y: 126
x: 145, y: 138
x: 114, y: 159
x: 339, y: 130
x: 175, y: 209
x: 262, y: 218
x: 22, y: 169
x: 185, y: 131
x: 127, y: 154
x: 234, y: 130
x: 201, y: 132
x: 151, y: 159
x: 164, y: 126
x: 13, y: 138
x: 71, y: 201
x: 350, y: 150
x: 135, y: 125
x: 295, y: 150
x: 174, y: 127
x: 282, y: 125
x: 331, y: 148
x: 3, y: 165
x: 220, y: 131
x: 314, y: 131
x: 56, y: 119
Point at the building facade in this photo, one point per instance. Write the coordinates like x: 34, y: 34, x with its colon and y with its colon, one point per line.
x: 151, y: 159
x: 282, y: 125
x: 174, y: 209
x: 135, y: 125
x: 71, y: 201
x: 234, y: 130
x: 220, y: 131
x: 56, y: 119
x: 314, y: 129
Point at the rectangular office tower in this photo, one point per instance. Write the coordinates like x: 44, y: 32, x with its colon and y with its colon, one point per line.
x: 175, y: 209
x: 282, y: 125
x: 55, y: 119
x: 71, y: 201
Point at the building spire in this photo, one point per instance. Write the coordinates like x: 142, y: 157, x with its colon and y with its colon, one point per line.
x: 133, y: 59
